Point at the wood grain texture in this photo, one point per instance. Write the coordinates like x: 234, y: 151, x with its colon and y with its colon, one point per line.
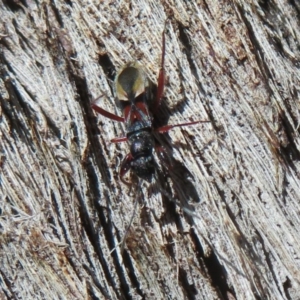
x: 225, y: 226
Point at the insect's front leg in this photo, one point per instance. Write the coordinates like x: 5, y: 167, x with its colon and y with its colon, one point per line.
x: 106, y: 114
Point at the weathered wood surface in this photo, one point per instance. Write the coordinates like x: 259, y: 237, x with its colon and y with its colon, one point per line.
x: 63, y: 209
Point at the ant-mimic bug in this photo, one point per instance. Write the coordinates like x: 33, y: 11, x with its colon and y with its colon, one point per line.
x: 134, y: 90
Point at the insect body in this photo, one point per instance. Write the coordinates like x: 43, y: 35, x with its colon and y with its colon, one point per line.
x: 134, y: 90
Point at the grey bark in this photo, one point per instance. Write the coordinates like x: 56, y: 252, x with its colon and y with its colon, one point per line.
x: 222, y: 224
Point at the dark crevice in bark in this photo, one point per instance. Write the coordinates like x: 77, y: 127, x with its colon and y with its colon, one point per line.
x: 271, y: 21
x: 280, y: 34
x: 69, y: 2
x: 96, y: 282
x: 216, y: 271
x: 15, y: 5
x: 296, y: 6
x: 257, y: 51
x: 170, y: 246
x: 88, y: 226
x: 93, y: 296
x: 264, y: 4
x: 15, y: 108
x: 145, y: 216
x: 218, y: 275
x: 13, y: 210
x: 56, y: 13
x: 189, y: 289
x: 107, y: 228
x: 286, y: 286
x: 206, y: 7
x: 266, y: 73
x: 9, y: 286
x: 133, y: 278
x: 171, y: 215
x: 21, y: 106
x: 268, y: 255
x: 241, y: 240
x: 52, y: 221
x: 23, y: 41
x: 246, y: 246
x: 91, y: 127
x: 108, y: 69
x: 188, y: 49
x: 131, y: 243
x: 60, y: 223
x: 290, y: 152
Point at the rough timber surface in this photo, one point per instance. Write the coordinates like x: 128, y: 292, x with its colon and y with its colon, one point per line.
x: 235, y: 230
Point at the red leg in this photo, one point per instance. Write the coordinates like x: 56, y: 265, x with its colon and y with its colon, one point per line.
x: 168, y: 127
x: 119, y: 139
x: 107, y: 114
x: 161, y: 76
x: 125, y: 167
